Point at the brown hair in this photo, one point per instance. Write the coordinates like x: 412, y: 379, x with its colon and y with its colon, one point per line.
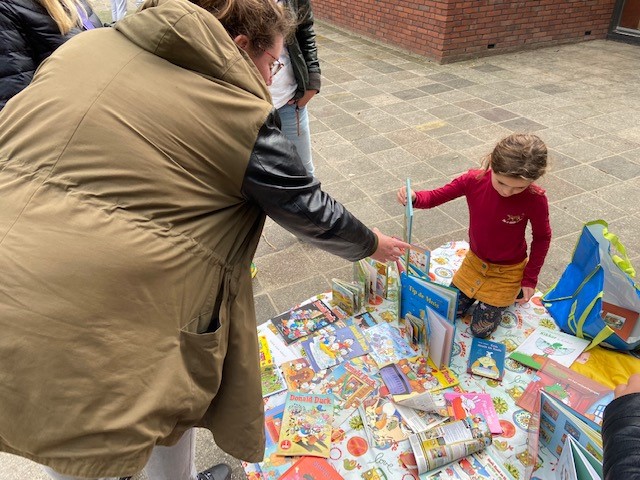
x: 521, y: 155
x: 259, y: 20
x: 64, y: 13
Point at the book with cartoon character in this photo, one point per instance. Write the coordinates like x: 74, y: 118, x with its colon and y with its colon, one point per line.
x: 301, y: 377
x: 387, y: 344
x: 486, y: 358
x: 306, y: 425
x: 468, y: 404
x: 331, y: 346
x: 545, y: 343
x: 311, y: 468
x: 303, y: 320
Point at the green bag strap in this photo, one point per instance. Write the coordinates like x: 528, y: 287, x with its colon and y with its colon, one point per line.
x: 578, y: 327
x: 578, y: 288
x: 623, y: 261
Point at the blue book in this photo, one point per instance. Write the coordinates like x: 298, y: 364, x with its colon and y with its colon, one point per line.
x: 418, y: 294
x: 486, y: 358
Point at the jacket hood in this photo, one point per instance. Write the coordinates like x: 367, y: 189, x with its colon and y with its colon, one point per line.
x: 192, y: 38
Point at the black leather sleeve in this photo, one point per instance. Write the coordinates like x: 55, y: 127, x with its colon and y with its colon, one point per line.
x: 277, y: 181
x: 306, y: 37
x: 621, y: 438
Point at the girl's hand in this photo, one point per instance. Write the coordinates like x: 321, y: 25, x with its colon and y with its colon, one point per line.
x: 527, y: 293
x: 402, y: 195
x: 389, y: 248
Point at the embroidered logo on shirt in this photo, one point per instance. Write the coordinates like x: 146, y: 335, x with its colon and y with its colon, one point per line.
x: 513, y: 219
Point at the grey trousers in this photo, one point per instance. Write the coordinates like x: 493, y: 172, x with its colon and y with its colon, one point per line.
x: 165, y: 463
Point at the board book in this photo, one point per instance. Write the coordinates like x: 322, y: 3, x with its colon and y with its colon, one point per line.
x: 306, y: 425
x: 545, y: 343
x: 577, y: 463
x: 486, y: 358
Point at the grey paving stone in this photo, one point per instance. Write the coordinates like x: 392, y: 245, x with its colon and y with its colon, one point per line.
x: 522, y: 124
x: 373, y: 144
x: 586, y: 207
x: 405, y: 136
x: 460, y: 141
x: 619, y: 167
x: 409, y: 94
x: 433, y: 88
x: 487, y: 67
x: 497, y: 114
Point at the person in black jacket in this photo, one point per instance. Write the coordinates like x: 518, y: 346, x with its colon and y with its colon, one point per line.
x: 621, y: 432
x: 30, y: 31
x: 298, y: 81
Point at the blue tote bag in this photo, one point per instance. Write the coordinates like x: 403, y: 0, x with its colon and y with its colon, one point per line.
x: 600, y: 271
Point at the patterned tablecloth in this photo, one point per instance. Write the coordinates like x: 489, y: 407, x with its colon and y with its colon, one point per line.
x: 354, y: 458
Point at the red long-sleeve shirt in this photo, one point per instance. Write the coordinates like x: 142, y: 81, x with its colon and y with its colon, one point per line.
x: 497, y: 224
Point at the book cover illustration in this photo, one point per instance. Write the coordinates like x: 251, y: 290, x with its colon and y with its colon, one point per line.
x: 363, y: 320
x: 301, y: 377
x: 386, y: 344
x: 331, y: 346
x: 270, y: 375
x: 311, y: 468
x: 348, y: 296
x: 585, y: 396
x: 383, y: 423
x: 621, y: 320
x: 416, y: 375
x: 419, y: 294
x: 273, y: 465
x: 349, y: 387
x: 303, y: 320
x: 486, y: 358
x: 545, y: 343
x: 306, y: 425
x: 468, y: 404
x: 381, y: 270
x: 418, y: 261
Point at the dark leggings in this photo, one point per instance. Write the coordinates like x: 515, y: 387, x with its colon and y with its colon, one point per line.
x: 485, y: 318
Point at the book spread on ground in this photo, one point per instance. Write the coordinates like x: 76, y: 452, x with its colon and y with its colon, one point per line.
x: 306, y: 425
x: 449, y: 441
x: 486, y: 358
x: 386, y: 344
x: 545, y: 343
x: 300, y: 376
x: 468, y: 404
x: 311, y: 468
x: 383, y: 424
x: 270, y: 375
x: 585, y: 396
x: 303, y: 320
x: 331, y: 346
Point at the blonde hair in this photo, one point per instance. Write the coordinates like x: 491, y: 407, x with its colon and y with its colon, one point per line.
x: 64, y: 13
x: 259, y: 20
x: 520, y: 155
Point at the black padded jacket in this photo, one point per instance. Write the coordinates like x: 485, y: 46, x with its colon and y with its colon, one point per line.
x: 303, y: 50
x: 28, y: 35
x: 621, y: 438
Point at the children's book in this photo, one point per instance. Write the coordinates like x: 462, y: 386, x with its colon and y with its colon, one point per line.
x: 577, y: 463
x: 349, y: 386
x: 408, y: 214
x: 381, y: 276
x: 362, y: 320
x: 303, y: 320
x: 449, y: 441
x: 416, y: 375
x: 585, y: 396
x: 270, y: 375
x: 348, y: 296
x: 331, y: 346
x: 621, y: 320
x: 441, y: 335
x: 311, y: 468
x: 417, y: 334
x: 301, y: 377
x: 418, y: 261
x: 306, y: 425
x: 383, y: 424
x: 366, y: 275
x: 545, y: 343
x: 486, y: 358
x: 468, y: 404
x: 386, y: 344
x: 273, y: 465
x: 419, y: 294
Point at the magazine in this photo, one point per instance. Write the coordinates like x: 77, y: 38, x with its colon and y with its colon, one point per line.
x: 349, y: 386
x: 477, y: 466
x: 419, y: 420
x: 468, y: 404
x: 301, y: 377
x: 306, y: 425
x: 331, y: 346
x: 386, y: 344
x: 270, y: 375
x: 545, y: 343
x: 303, y: 320
x: 311, y: 468
x: 383, y: 424
x: 486, y: 358
x: 449, y: 441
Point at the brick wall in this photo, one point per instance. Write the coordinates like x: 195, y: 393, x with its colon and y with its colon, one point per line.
x: 450, y: 30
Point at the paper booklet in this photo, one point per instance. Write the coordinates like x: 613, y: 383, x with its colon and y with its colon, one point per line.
x: 418, y: 261
x: 331, y: 346
x: 306, y: 425
x: 311, y: 468
x: 386, y: 344
x: 449, y: 441
x: 303, y: 320
x: 468, y: 404
x: 620, y: 319
x: 545, y: 343
x: 270, y: 375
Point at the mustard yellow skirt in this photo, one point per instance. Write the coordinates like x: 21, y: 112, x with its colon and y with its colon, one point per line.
x: 496, y: 285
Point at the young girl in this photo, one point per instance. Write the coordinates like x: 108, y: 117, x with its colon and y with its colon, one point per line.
x: 502, y: 198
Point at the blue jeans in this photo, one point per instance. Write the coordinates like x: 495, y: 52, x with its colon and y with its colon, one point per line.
x: 118, y: 9
x: 298, y: 134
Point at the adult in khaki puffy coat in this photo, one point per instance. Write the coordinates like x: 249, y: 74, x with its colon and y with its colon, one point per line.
x: 134, y: 184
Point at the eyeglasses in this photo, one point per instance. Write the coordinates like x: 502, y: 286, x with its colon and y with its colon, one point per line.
x: 276, y: 66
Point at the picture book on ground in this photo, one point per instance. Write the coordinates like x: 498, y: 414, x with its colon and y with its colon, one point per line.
x: 417, y: 334
x: 349, y: 386
x: 585, y: 396
x: 386, y: 344
x: 418, y: 294
x: 577, y: 463
x: 273, y: 465
x: 383, y: 424
x: 306, y: 425
x: 270, y: 375
x: 311, y: 468
x: 545, y: 343
x: 486, y: 358
x: 449, y: 441
x: 416, y: 375
x: 621, y: 320
x: 331, y: 346
x: 303, y: 320
x: 362, y: 320
x: 300, y: 376
x: 348, y: 296
x: 553, y: 423
x: 468, y: 404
